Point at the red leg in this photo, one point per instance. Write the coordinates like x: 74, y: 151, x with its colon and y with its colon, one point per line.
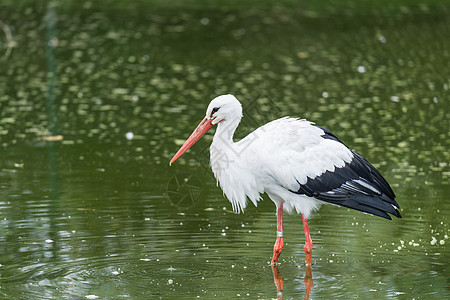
x: 279, y: 242
x: 308, y: 241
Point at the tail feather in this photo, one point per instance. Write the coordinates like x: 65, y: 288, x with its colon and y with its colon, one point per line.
x: 373, y: 205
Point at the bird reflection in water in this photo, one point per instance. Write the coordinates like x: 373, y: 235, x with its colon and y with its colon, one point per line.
x: 279, y: 282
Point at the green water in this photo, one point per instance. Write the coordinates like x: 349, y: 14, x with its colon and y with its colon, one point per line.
x: 99, y: 214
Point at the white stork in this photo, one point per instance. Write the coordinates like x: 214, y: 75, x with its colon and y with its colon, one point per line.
x: 298, y: 164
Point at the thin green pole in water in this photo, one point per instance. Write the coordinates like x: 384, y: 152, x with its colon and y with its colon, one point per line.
x: 52, y: 147
x: 51, y: 70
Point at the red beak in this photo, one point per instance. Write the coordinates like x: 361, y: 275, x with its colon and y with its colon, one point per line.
x: 201, y: 129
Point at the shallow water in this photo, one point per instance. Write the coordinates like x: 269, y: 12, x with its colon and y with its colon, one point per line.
x: 95, y: 100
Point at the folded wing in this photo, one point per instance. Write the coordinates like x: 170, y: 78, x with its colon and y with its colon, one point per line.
x: 319, y: 165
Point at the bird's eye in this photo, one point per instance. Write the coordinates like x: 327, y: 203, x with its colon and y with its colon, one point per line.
x: 215, y: 109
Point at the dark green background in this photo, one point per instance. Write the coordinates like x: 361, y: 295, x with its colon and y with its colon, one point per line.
x: 97, y: 214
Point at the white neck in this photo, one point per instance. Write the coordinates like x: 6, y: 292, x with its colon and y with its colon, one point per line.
x: 224, y: 133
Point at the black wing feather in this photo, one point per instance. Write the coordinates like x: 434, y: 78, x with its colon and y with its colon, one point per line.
x: 357, y: 185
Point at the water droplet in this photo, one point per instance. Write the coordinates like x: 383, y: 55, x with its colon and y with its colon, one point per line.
x: 361, y: 69
x: 204, y: 21
x: 129, y: 136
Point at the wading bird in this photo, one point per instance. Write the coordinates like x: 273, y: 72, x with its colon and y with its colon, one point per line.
x: 298, y: 164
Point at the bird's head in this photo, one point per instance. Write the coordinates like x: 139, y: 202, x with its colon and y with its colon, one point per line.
x: 221, y: 109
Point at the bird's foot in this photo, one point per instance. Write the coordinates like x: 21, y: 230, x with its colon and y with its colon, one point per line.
x: 279, y: 244
x: 308, y: 252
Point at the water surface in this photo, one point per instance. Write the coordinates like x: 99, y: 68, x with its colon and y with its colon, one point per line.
x: 96, y: 98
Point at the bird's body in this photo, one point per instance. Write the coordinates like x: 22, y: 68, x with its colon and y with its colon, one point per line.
x: 262, y: 162
x: 299, y: 166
